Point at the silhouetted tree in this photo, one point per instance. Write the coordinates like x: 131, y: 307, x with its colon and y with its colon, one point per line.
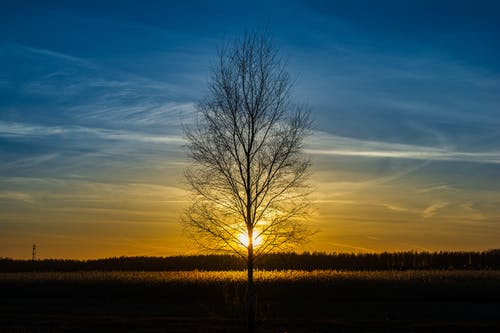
x: 248, y: 175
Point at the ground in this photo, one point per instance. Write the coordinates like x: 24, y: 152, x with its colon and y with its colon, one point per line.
x: 66, y: 305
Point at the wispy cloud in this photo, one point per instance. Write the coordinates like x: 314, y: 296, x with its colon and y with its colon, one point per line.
x: 434, y: 208
x: 29, y: 161
x: 472, y: 213
x: 326, y: 144
x: 343, y: 247
x: 395, y: 208
x: 82, y: 92
x: 15, y: 130
x: 137, y: 113
x: 23, y: 130
x: 18, y: 196
x: 436, y: 188
x: 54, y: 54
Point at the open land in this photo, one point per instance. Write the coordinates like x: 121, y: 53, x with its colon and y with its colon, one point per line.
x: 287, y: 301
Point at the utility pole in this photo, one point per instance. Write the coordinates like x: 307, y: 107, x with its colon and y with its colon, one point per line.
x: 33, y: 252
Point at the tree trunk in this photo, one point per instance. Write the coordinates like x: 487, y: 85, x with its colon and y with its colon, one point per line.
x: 250, y: 292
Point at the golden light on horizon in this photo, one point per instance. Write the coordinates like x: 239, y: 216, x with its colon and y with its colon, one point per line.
x: 245, y: 239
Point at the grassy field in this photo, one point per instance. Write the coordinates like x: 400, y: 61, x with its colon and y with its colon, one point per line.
x: 288, y: 301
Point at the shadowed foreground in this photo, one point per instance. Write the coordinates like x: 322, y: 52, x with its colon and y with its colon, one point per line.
x: 290, y: 301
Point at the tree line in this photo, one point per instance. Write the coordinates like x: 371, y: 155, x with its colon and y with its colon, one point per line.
x: 277, y: 261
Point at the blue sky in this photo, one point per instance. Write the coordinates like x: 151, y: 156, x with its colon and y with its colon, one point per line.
x: 94, y: 95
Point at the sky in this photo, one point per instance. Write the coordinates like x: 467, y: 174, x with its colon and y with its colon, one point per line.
x: 94, y: 96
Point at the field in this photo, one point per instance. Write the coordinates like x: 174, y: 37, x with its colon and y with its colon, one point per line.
x: 288, y: 301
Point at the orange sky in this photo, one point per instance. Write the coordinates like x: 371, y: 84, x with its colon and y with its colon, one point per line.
x: 354, y: 211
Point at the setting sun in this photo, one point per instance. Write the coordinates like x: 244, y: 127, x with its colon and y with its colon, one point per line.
x: 243, y: 238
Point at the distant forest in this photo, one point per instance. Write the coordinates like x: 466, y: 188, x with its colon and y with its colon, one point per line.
x: 279, y: 261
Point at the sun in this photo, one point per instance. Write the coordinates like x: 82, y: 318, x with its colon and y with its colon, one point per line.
x: 243, y: 238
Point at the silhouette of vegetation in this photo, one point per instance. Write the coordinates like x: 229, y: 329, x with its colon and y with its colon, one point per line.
x: 277, y: 261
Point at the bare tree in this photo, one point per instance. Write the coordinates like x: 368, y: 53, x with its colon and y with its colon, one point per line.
x: 248, y: 174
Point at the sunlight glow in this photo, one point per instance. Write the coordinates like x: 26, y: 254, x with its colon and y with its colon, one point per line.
x: 244, y: 239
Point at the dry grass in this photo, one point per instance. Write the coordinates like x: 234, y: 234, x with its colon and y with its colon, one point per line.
x: 293, y: 301
x: 205, y: 277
